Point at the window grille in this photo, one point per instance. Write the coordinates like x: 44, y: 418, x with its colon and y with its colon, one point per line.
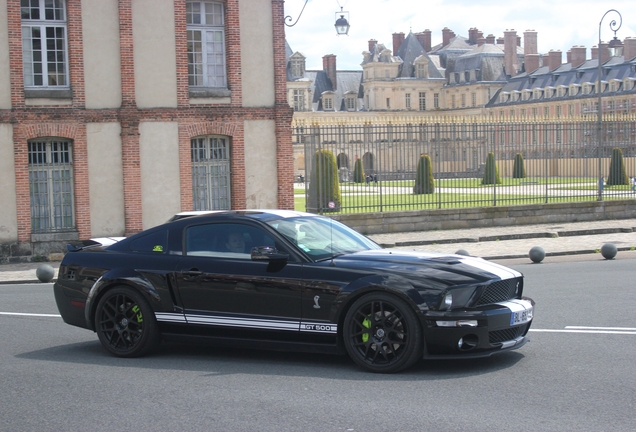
x: 206, y: 44
x: 44, y: 46
x: 51, y: 186
x: 422, y: 101
x: 210, y: 173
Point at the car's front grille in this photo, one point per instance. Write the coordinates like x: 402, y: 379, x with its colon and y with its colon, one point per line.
x: 507, y: 334
x: 499, y: 291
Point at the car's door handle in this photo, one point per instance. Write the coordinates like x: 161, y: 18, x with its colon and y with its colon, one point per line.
x: 193, y: 272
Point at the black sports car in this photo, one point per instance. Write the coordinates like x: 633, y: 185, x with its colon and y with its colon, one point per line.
x: 277, y: 279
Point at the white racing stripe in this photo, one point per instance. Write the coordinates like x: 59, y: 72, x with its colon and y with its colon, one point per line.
x: 569, y: 330
x: 30, y: 314
x: 490, y: 267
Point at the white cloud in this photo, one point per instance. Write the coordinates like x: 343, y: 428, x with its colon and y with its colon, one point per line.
x: 560, y: 24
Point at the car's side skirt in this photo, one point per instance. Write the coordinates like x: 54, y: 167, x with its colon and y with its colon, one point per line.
x: 248, y: 322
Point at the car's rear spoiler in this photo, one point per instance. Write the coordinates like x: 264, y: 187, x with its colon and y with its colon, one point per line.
x: 101, y: 241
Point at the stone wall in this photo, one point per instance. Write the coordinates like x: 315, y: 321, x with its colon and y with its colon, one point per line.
x: 430, y: 220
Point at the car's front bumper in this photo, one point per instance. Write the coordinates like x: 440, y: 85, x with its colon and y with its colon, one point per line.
x: 478, y: 332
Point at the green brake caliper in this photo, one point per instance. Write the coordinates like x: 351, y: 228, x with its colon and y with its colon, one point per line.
x: 366, y: 323
x: 140, y: 317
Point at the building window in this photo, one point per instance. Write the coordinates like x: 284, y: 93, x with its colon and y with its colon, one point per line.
x: 473, y: 98
x: 436, y: 100
x: 463, y: 101
x: 422, y: 101
x: 299, y: 100
x: 388, y: 103
x: 210, y: 173
x: 44, y: 49
x: 206, y: 44
x: 51, y: 186
x: 327, y: 103
x: 297, y: 66
x: 453, y: 101
x: 350, y: 102
x: 559, y: 111
x: 421, y: 70
x: 546, y: 112
x: 407, y: 100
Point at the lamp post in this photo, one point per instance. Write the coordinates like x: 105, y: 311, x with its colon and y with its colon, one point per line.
x: 614, y: 26
x: 342, y: 23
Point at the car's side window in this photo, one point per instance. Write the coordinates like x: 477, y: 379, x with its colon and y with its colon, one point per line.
x: 155, y: 242
x: 225, y: 240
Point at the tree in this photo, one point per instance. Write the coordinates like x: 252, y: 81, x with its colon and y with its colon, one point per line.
x: 491, y: 174
x: 519, y: 169
x: 358, y: 171
x: 323, y: 194
x: 424, y: 181
x: 617, y: 173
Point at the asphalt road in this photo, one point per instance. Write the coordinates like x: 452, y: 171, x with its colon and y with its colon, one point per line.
x: 56, y: 377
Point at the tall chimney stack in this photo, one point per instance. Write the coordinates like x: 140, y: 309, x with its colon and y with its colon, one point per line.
x: 446, y: 36
x: 555, y: 59
x: 424, y: 38
x: 510, y: 52
x: 329, y: 66
x: 629, y: 48
x: 372, y: 43
x: 578, y: 56
x: 398, y: 38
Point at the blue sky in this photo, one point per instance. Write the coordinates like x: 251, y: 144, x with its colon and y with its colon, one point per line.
x: 560, y: 24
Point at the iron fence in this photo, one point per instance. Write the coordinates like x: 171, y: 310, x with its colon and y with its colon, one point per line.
x: 563, y: 161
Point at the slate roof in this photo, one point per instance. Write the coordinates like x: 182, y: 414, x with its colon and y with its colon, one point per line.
x: 565, y: 75
x: 348, y: 82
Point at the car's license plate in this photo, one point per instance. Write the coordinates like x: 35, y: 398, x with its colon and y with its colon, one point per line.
x: 521, y: 317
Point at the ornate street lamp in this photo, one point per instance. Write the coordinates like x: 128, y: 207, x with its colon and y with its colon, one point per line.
x: 614, y: 44
x: 342, y: 23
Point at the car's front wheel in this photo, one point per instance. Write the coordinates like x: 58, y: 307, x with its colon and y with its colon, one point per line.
x: 125, y: 323
x: 382, y: 334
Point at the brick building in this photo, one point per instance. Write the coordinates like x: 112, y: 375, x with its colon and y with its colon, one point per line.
x: 116, y: 114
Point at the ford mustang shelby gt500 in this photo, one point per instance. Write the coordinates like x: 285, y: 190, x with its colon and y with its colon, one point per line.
x: 283, y: 279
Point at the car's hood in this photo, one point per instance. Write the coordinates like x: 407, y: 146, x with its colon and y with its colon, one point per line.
x: 440, y: 270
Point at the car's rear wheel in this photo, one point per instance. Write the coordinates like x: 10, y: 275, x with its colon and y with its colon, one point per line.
x: 125, y: 323
x: 382, y: 334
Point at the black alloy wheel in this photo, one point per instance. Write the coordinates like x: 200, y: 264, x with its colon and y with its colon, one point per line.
x: 125, y: 323
x: 382, y: 333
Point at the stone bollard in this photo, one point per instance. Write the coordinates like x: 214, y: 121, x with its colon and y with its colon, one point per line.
x: 45, y: 273
x: 609, y: 251
x: 536, y: 254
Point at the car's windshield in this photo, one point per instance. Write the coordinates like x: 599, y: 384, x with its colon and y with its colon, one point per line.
x: 322, y: 238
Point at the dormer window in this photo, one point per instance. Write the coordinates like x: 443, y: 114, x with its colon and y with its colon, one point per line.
x: 327, y: 101
x: 421, y: 69
x: 350, y: 101
x: 297, y: 66
x: 467, y: 76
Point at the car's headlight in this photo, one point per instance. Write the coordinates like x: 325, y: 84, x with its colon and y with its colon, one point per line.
x: 456, y: 298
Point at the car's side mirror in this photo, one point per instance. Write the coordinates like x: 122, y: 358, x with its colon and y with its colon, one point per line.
x: 268, y: 253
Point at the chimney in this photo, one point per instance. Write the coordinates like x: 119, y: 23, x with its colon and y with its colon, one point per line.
x: 372, y: 43
x: 605, y: 53
x: 329, y: 66
x: 532, y: 62
x: 472, y: 36
x: 629, y: 48
x: 578, y: 56
x: 446, y: 36
x: 424, y: 38
x: 481, y: 41
x: 500, y: 41
x: 398, y: 38
x: 530, y: 42
x: 568, y: 56
x: 510, y: 52
x: 518, y: 41
x: 594, y: 52
x: 490, y: 39
x: 555, y: 58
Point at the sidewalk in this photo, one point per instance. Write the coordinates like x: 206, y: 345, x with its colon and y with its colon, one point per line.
x: 490, y: 243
